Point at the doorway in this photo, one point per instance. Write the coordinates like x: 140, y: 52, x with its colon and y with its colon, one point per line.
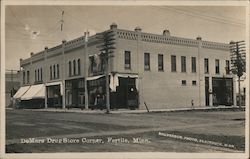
x: 127, y: 94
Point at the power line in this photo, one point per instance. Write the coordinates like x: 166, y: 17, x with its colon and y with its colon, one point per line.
x: 78, y: 20
x: 33, y: 41
x: 13, y: 28
x: 200, y: 15
x: 17, y: 19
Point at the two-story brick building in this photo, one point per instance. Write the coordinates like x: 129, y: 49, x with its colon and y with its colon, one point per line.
x: 160, y: 71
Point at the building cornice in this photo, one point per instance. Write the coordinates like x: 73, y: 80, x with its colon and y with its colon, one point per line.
x: 128, y: 35
x: 171, y: 40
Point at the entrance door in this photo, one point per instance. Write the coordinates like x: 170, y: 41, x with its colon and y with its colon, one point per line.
x: 54, y: 96
x: 127, y: 94
x: 207, y: 90
x: 222, y: 91
x: 75, y: 93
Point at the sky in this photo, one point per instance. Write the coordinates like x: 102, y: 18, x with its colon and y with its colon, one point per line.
x: 31, y: 28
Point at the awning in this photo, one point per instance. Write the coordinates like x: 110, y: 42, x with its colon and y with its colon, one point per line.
x: 54, y: 83
x: 94, y: 77
x: 34, y: 92
x: 114, y: 81
x: 21, y: 92
x: 126, y: 75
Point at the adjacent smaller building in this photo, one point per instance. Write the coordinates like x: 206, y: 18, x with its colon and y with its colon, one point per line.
x: 12, y: 84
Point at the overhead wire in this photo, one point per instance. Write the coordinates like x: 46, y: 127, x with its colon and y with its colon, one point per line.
x: 199, y: 15
x: 78, y: 20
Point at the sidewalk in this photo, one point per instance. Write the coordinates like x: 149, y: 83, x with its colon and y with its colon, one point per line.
x: 119, y: 111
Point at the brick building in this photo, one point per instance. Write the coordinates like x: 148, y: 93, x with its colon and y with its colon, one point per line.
x: 160, y: 71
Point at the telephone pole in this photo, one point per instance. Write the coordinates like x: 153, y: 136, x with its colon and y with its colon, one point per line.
x: 107, y: 53
x: 238, y: 61
x: 86, y: 35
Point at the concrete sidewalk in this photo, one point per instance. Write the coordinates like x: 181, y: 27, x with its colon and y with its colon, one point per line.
x: 118, y: 111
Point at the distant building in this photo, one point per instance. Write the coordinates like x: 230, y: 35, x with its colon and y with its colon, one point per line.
x: 157, y: 70
x: 12, y: 84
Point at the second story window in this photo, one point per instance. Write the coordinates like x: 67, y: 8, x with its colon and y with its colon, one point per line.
x: 79, y: 66
x: 57, y: 71
x: 24, y: 77
x: 54, y: 71
x: 50, y: 70
x: 35, y: 76
x: 38, y: 75
x: 41, y: 76
x: 93, y: 64
x: 74, y: 67
x: 183, y: 82
x: 183, y: 64
x: 70, y: 68
x: 160, y: 62
x: 206, y: 65
x: 227, y: 67
x: 127, y: 60
x: 102, y: 64
x: 173, y: 63
x: 28, y: 76
x: 146, y: 61
x: 193, y: 61
x: 194, y: 83
x: 217, y: 66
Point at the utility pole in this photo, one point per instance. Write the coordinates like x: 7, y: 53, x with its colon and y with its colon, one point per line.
x: 63, y: 75
x: 199, y: 73
x: 107, y: 48
x: 86, y: 35
x: 62, y: 21
x: 63, y: 67
x: 46, y: 77
x: 238, y: 61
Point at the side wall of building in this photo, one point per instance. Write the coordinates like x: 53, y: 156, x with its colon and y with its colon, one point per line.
x: 164, y: 89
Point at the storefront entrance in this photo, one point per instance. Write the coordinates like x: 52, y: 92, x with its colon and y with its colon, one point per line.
x: 123, y: 93
x: 54, y: 96
x: 222, y: 91
x: 74, y: 90
x: 127, y: 94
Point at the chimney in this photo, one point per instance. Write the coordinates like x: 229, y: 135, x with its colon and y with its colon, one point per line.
x: 46, y: 48
x: 166, y: 33
x: 138, y: 29
x: 63, y: 41
x: 31, y: 54
x: 113, y: 26
x: 198, y: 38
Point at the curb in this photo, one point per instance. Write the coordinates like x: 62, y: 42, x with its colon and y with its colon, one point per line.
x: 218, y: 108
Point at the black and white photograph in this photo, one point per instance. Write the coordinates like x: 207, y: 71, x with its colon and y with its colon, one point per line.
x: 124, y: 80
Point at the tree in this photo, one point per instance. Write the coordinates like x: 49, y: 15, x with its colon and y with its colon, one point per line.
x: 107, y: 49
x: 238, y: 61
